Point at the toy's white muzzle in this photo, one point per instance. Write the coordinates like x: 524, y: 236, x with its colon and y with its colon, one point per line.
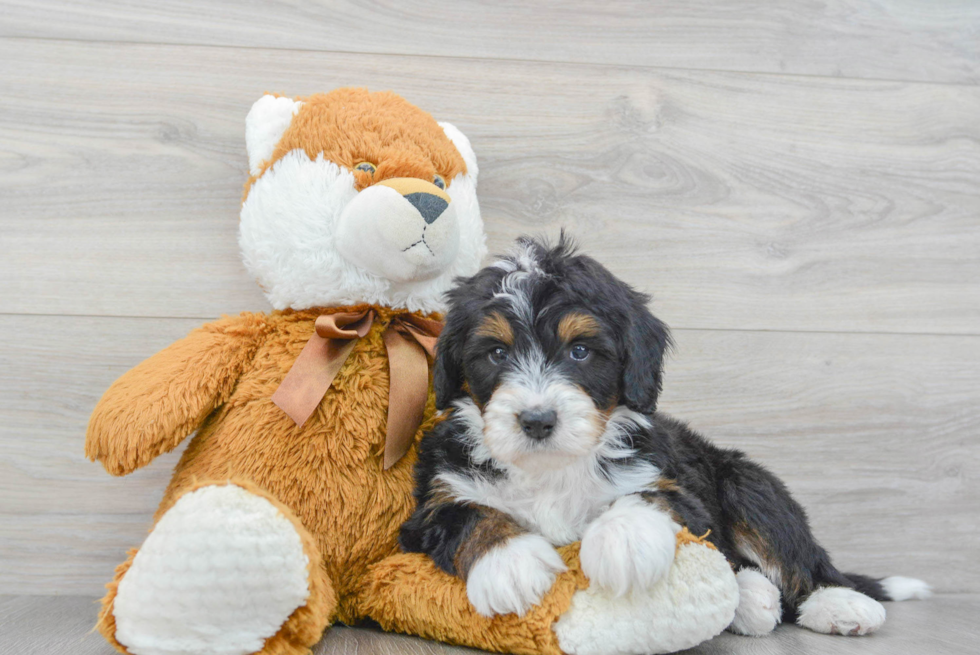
x: 403, y: 229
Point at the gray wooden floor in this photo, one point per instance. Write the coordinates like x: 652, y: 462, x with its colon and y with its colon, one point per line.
x: 797, y: 183
x: 55, y: 625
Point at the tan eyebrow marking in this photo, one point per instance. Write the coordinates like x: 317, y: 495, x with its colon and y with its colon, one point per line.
x: 496, y: 326
x: 576, y: 325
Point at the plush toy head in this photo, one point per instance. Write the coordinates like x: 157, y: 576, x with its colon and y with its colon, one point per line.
x: 357, y: 197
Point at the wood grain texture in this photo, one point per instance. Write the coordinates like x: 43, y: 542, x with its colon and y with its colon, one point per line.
x: 928, y: 40
x: 874, y: 433
x: 797, y: 182
x: 741, y: 201
x: 945, y: 625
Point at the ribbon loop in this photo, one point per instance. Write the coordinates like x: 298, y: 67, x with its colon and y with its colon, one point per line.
x: 408, y: 339
x: 345, y: 325
x: 318, y: 364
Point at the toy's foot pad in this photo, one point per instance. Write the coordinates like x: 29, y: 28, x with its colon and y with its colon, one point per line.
x: 841, y: 611
x: 220, y: 573
x: 758, y: 610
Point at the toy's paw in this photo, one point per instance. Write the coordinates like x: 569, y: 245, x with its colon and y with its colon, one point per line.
x: 841, y: 611
x: 514, y: 576
x: 220, y: 573
x: 758, y: 610
x: 630, y: 546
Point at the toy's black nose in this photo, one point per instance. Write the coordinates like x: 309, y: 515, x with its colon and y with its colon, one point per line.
x: 429, y: 205
x: 538, y: 423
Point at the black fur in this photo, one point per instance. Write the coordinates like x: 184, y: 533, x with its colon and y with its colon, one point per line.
x: 708, y: 488
x: 634, y: 374
x: 439, y: 529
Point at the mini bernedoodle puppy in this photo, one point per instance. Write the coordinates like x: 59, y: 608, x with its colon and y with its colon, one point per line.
x: 552, y: 367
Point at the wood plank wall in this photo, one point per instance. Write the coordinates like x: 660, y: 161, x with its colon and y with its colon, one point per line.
x: 798, y: 184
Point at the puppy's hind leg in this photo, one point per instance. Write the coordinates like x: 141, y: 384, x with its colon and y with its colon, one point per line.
x: 770, y: 529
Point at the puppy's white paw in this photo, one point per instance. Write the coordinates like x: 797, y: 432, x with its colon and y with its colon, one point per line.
x: 841, y: 611
x: 758, y: 611
x: 513, y: 576
x: 630, y: 546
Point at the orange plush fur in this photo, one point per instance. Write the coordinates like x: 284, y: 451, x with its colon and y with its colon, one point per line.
x: 326, y: 476
x: 351, y: 126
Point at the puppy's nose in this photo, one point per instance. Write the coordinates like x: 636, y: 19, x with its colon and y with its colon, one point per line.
x: 538, y: 423
x: 430, y: 201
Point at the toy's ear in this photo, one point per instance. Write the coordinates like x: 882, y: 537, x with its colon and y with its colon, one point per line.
x: 463, y: 146
x: 265, y: 124
x: 447, y: 374
x: 647, y: 341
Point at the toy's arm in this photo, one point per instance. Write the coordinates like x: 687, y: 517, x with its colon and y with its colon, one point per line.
x: 154, y: 406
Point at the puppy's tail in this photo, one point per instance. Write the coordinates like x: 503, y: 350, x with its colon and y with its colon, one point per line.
x: 896, y: 587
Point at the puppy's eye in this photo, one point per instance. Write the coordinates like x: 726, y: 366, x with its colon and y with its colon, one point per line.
x: 366, y: 167
x: 497, y: 355
x: 439, y: 181
x: 579, y: 353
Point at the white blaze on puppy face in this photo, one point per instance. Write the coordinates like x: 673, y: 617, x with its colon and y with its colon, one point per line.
x: 533, y: 385
x: 311, y: 240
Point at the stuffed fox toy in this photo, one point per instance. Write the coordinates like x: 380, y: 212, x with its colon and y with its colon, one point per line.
x: 283, y: 512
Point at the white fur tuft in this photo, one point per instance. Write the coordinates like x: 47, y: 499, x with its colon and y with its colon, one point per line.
x: 630, y: 546
x: 901, y: 588
x: 514, y: 576
x: 841, y: 611
x: 265, y: 124
x: 758, y: 610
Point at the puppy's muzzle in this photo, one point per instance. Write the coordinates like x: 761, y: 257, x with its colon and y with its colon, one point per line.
x: 537, y: 423
x: 430, y: 201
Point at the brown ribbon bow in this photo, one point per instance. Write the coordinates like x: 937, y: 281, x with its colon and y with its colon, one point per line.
x: 407, y: 339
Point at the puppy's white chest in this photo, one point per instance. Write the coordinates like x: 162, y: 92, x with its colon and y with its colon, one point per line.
x: 558, y: 505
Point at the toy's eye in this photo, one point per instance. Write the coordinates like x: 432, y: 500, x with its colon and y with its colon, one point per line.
x: 439, y: 181
x: 366, y: 167
x: 497, y: 355
x: 579, y: 353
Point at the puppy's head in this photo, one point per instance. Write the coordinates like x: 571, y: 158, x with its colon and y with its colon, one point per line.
x: 547, y: 343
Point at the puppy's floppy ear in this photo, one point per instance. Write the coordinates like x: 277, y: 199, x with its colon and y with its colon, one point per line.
x: 647, y: 340
x: 447, y: 374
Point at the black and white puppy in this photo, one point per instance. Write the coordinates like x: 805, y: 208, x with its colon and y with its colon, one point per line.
x: 552, y: 367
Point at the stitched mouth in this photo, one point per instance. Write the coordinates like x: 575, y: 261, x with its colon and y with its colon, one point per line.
x: 423, y: 242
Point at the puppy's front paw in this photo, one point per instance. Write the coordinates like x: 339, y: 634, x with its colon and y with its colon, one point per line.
x: 630, y: 546
x: 513, y: 576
